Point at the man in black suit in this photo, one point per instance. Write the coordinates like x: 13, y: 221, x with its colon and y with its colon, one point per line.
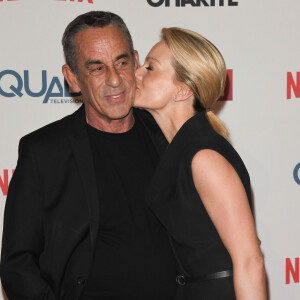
x: 76, y: 225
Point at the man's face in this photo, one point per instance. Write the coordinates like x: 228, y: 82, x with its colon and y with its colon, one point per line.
x: 105, y: 72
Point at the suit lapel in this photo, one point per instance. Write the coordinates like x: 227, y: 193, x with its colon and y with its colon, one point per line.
x: 83, y: 156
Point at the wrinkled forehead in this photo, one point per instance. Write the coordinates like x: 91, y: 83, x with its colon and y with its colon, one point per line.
x: 108, y: 39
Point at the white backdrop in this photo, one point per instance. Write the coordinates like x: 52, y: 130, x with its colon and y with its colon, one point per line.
x: 259, y: 40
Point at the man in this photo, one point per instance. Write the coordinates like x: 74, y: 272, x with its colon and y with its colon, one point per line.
x: 76, y: 223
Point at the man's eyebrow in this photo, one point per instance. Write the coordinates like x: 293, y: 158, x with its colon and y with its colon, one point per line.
x: 93, y: 62
x: 152, y: 58
x: 99, y: 62
x: 124, y: 55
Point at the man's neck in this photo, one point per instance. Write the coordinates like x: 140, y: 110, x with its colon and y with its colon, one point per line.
x: 106, y: 124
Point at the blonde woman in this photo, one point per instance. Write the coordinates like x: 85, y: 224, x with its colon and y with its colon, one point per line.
x: 201, y: 190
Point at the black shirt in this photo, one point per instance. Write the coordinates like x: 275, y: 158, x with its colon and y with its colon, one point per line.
x: 133, y: 257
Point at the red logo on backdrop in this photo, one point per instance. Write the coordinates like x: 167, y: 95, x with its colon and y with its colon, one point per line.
x: 293, y: 85
x: 228, y: 94
x: 292, y: 270
x: 4, y: 181
x: 89, y: 1
x: 8, y: 0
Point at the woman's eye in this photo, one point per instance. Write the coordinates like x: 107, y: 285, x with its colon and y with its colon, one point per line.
x: 149, y: 68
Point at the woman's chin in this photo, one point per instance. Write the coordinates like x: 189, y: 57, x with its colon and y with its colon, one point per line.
x: 138, y: 104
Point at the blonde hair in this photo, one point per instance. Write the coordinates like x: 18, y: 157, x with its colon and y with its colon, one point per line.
x: 198, y: 64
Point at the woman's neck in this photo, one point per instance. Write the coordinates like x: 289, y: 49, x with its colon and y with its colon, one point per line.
x: 171, y: 121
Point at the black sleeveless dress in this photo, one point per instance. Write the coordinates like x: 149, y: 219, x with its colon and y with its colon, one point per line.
x: 175, y: 201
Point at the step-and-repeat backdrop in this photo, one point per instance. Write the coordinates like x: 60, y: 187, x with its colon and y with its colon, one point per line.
x: 259, y: 40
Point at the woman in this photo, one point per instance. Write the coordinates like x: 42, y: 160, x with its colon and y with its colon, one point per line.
x: 201, y: 190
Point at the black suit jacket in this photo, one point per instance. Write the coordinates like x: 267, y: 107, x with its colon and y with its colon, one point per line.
x: 51, y: 215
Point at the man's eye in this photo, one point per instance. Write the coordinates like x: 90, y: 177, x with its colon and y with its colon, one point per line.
x: 149, y: 68
x: 96, y: 70
x: 122, y: 63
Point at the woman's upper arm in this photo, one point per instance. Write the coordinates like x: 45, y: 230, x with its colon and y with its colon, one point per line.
x: 225, y: 200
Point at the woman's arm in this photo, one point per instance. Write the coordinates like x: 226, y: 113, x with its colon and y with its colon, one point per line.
x: 225, y: 200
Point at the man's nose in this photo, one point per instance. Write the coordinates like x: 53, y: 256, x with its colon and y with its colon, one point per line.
x: 113, y: 77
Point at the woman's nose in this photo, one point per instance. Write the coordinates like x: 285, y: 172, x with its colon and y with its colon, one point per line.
x: 138, y: 73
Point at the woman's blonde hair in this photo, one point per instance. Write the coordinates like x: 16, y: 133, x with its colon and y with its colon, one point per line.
x: 198, y: 64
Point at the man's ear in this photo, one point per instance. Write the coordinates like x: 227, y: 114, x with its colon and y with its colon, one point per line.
x: 136, y: 60
x: 71, y: 79
x: 183, y: 93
